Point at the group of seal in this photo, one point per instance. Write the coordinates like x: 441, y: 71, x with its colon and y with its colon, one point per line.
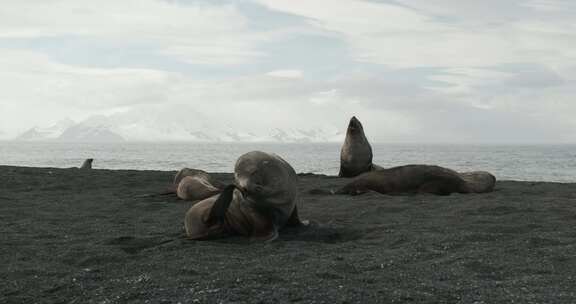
x: 263, y: 197
x: 260, y: 202
x: 356, y: 161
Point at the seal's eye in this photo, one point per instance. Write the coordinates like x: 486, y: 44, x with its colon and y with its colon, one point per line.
x: 258, y: 188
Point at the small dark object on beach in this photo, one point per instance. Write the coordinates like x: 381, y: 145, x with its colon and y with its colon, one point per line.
x: 87, y: 164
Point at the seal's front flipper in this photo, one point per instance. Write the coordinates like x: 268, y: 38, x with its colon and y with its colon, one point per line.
x: 263, y: 228
x: 265, y: 232
x: 294, y: 219
x: 218, y: 210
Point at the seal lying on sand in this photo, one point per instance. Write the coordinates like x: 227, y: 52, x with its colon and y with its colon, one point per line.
x: 198, y: 174
x: 479, y: 181
x: 191, y: 185
x: 87, y: 164
x: 260, y: 202
x: 196, y: 187
x: 419, y: 179
x: 190, y: 172
x: 194, y: 184
x: 356, y: 152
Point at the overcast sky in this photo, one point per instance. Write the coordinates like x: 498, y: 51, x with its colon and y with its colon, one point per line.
x: 411, y: 70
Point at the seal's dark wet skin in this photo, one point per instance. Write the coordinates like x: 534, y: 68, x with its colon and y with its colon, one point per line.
x: 356, y: 152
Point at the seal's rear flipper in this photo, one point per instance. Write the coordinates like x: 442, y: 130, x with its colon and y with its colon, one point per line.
x: 218, y: 211
x: 317, y: 191
x: 170, y: 191
x: 351, y: 190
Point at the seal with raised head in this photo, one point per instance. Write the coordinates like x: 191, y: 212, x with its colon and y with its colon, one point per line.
x: 408, y: 179
x: 356, y: 152
x: 87, y: 164
x: 261, y: 201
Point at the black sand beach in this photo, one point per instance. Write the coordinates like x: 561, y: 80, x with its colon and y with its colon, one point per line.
x: 73, y: 236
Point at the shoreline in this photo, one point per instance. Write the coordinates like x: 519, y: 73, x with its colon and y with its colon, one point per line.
x: 300, y: 174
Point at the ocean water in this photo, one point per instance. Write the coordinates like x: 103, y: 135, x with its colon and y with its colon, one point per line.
x: 508, y: 162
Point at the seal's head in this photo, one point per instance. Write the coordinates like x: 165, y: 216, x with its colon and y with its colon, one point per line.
x: 254, y: 171
x: 354, y: 126
x: 479, y: 181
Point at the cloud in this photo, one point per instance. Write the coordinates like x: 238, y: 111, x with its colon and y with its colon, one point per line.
x: 550, y: 5
x: 466, y: 81
x: 199, y: 34
x: 41, y: 90
x: 55, y: 90
x: 325, y: 97
x: 412, y: 70
x: 422, y: 34
x: 286, y: 73
x: 36, y: 79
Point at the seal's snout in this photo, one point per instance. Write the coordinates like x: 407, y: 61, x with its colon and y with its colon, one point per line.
x: 251, y: 189
x: 241, y: 189
x: 354, y: 124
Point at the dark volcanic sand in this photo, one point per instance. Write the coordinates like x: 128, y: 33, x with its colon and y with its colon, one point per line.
x: 72, y: 236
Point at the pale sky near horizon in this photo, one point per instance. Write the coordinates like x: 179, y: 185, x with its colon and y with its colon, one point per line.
x: 411, y: 70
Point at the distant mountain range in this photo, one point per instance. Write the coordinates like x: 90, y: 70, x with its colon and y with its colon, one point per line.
x: 168, y: 125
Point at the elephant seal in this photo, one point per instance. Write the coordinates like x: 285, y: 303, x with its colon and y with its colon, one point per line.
x: 87, y: 164
x: 479, y: 181
x: 261, y: 201
x: 408, y: 179
x: 196, y: 187
x: 356, y: 152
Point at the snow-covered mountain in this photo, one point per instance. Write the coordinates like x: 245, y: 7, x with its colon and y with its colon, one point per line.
x: 84, y: 133
x: 52, y: 132
x: 175, y: 123
x: 306, y: 135
x: 185, y: 123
